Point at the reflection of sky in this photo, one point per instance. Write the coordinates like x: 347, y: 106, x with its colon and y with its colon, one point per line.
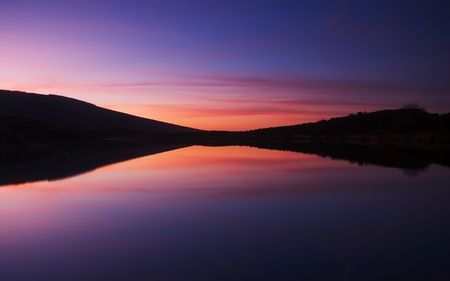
x: 230, y: 65
x: 225, y: 212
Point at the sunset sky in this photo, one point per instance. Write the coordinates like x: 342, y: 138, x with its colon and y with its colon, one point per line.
x: 231, y: 65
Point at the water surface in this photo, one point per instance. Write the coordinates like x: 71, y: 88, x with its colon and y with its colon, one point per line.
x: 228, y: 213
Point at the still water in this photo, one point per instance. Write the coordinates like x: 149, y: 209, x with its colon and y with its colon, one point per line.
x: 228, y: 213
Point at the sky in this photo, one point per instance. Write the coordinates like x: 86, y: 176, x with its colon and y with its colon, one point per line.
x: 230, y: 65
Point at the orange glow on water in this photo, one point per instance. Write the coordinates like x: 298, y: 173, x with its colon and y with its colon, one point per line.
x: 158, y: 200
x: 192, y: 173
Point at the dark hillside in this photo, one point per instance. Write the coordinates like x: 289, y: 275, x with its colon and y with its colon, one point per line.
x: 21, y: 132
x: 384, y: 122
x: 67, y: 112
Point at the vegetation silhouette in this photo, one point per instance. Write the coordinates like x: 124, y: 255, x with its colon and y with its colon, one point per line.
x: 413, y: 105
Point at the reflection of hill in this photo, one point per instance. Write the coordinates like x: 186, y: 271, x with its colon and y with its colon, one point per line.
x: 33, y: 125
x: 69, y: 164
x: 410, y: 160
x: 410, y: 156
x: 67, y: 112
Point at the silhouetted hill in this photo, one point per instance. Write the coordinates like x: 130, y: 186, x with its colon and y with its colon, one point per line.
x: 18, y: 132
x: 67, y: 112
x: 402, y: 127
x: 384, y: 123
x: 34, y: 125
x: 409, y: 139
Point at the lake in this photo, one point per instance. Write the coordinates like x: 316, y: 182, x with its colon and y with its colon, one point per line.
x: 222, y: 213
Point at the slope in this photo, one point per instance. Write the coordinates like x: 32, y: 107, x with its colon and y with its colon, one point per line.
x: 68, y: 112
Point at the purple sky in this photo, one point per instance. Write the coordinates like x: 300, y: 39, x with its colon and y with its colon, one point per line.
x: 230, y: 64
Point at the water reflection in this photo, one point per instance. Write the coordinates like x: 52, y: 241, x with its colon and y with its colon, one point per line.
x: 73, y: 163
x: 411, y: 162
x: 228, y: 213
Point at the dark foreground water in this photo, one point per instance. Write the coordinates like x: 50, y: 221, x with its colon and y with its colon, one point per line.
x: 228, y: 213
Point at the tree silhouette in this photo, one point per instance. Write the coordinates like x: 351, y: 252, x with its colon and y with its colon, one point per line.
x: 412, y: 105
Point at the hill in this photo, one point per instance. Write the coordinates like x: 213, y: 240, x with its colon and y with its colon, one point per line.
x: 383, y: 123
x: 400, y: 127
x: 399, y: 121
x: 33, y: 125
x: 66, y: 112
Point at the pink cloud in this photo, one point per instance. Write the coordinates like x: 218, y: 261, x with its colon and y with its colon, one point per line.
x: 225, y: 87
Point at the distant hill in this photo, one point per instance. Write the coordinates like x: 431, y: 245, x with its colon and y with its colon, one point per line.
x: 61, y: 111
x: 400, y: 127
x: 383, y: 122
x: 35, y: 124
